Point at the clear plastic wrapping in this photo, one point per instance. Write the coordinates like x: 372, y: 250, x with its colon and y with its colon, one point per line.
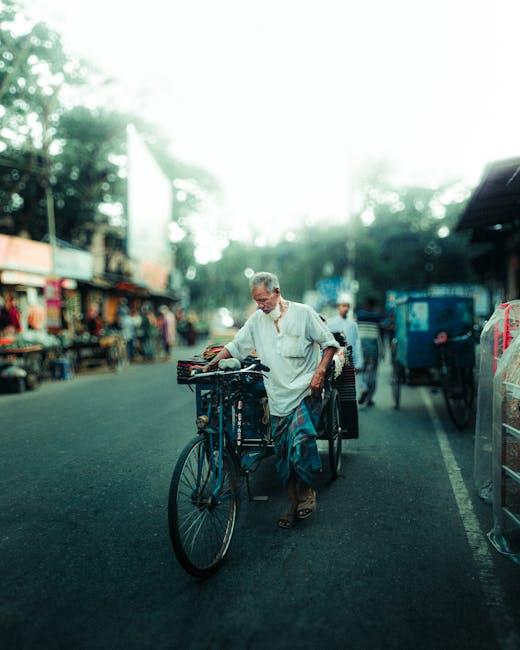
x: 506, y: 453
x: 498, y: 333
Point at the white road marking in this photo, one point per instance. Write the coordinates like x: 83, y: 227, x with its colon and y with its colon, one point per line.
x: 505, y: 631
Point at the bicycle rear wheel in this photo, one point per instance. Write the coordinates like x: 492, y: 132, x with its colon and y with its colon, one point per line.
x: 459, y: 391
x: 201, y: 523
x: 334, y: 434
x: 395, y: 382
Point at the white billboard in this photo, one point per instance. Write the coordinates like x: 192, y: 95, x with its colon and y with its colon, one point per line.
x: 149, y: 214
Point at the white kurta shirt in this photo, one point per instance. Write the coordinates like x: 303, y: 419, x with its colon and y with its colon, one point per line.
x: 349, y: 329
x: 292, y: 354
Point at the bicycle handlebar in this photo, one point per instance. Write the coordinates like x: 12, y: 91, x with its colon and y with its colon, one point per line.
x: 254, y: 368
x: 452, y: 339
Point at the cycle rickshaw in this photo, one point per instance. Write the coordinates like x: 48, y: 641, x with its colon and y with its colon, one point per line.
x: 234, y: 436
x: 434, y: 346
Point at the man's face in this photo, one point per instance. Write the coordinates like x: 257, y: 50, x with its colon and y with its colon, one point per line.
x: 265, y: 300
x: 343, y: 309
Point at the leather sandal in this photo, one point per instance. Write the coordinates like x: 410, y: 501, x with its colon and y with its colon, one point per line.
x: 288, y: 519
x: 307, y: 506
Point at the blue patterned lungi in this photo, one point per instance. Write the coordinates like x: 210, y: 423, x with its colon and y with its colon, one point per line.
x: 294, y: 437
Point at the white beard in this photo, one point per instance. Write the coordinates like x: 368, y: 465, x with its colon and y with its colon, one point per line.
x: 275, y: 313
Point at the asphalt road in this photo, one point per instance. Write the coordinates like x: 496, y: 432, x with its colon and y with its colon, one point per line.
x: 388, y: 561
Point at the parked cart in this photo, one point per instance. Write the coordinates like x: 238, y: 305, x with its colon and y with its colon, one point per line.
x: 21, y: 367
x: 434, y: 346
x: 94, y: 351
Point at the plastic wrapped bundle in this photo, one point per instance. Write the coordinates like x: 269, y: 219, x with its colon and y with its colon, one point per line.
x: 506, y: 453
x: 496, y: 336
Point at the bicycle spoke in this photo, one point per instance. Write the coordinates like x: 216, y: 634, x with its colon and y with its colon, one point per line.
x: 188, y: 495
x: 191, y: 518
x: 199, y: 517
x: 221, y: 520
x: 186, y: 483
x: 204, y: 515
x: 190, y: 470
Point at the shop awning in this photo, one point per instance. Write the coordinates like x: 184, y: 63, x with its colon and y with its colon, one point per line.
x: 495, y: 202
x: 21, y: 278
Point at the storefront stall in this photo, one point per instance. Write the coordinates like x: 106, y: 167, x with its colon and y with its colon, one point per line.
x: 24, y: 267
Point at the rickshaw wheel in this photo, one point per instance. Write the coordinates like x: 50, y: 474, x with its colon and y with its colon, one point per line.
x: 202, y: 526
x: 334, y: 433
x: 459, y: 391
x: 396, y: 384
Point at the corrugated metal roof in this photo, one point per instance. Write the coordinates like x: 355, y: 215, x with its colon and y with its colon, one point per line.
x: 496, y: 199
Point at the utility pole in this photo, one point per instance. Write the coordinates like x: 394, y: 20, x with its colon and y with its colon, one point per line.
x: 350, y: 246
x: 46, y: 177
x: 52, y: 289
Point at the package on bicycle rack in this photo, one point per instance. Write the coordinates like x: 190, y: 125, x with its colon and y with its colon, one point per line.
x: 185, y: 367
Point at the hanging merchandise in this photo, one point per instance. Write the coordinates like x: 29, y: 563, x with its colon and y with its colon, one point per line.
x: 505, y: 535
x: 53, y: 303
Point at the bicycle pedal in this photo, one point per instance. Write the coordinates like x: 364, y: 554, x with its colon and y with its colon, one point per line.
x: 260, y: 498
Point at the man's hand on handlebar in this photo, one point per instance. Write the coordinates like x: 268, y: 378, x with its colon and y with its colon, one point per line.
x: 213, y: 364
x: 195, y: 370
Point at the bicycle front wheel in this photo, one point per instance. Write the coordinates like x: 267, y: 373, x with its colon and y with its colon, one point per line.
x: 459, y: 392
x: 202, y: 520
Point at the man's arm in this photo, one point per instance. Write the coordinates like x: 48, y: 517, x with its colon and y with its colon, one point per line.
x: 318, y: 379
x: 317, y: 331
x: 239, y: 347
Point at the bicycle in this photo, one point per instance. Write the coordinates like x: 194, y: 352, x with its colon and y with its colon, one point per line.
x: 457, y: 381
x: 428, y: 351
x: 234, y: 436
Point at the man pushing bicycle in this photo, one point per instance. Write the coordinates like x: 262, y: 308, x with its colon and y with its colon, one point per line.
x: 287, y: 337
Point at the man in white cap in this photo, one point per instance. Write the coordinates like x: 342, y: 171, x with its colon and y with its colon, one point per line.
x: 348, y: 327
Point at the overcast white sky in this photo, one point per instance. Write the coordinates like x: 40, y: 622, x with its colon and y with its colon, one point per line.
x: 282, y: 100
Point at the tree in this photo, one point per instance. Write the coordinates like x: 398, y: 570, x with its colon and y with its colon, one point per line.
x: 404, y: 234
x: 78, y: 151
x: 402, y: 238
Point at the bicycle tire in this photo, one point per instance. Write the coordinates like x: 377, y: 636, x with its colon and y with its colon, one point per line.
x: 203, y: 506
x: 396, y: 384
x: 458, y: 391
x: 334, y: 434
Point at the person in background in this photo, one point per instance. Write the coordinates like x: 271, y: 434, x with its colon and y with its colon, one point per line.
x: 348, y: 327
x: 122, y: 309
x: 127, y: 326
x: 149, y: 332
x: 288, y: 337
x: 370, y: 331
x: 36, y: 317
x: 191, y: 330
x: 93, y: 321
x: 168, y: 329
x: 388, y: 326
x: 10, y: 322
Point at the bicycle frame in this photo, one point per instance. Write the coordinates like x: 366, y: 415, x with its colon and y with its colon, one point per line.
x: 446, y: 348
x: 220, y: 438
x: 246, y: 454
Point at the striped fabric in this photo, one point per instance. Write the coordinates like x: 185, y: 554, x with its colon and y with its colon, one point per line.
x: 368, y: 330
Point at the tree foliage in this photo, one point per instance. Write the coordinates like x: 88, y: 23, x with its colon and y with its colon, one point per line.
x: 79, y: 151
x: 395, y: 241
